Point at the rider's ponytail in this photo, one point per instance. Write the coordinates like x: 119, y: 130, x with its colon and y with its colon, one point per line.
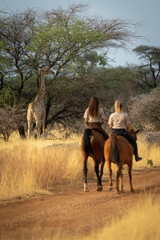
x: 117, y: 106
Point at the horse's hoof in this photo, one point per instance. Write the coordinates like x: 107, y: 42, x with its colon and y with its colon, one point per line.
x: 99, y: 188
x: 122, y: 191
x: 86, y: 190
x: 86, y: 187
x: 110, y: 188
x: 132, y: 190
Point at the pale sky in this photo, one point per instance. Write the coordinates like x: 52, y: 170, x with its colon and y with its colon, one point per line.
x: 146, y: 12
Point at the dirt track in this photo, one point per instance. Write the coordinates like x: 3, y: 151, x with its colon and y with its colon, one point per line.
x: 73, y: 211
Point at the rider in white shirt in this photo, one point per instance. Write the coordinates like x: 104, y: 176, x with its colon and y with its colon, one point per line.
x: 119, y: 122
x: 94, y: 117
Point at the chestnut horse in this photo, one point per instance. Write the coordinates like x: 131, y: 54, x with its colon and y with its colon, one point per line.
x: 92, y: 144
x: 117, y: 148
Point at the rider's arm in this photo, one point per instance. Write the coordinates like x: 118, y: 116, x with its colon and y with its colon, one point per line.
x: 86, y: 117
x: 128, y: 122
x: 102, y: 117
x: 86, y: 121
x: 110, y: 121
x: 102, y: 121
x: 127, y: 126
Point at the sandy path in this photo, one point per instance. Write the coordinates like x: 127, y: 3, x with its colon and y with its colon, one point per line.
x: 74, y: 211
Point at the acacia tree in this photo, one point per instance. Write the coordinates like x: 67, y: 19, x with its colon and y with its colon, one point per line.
x: 11, y: 118
x: 145, y: 111
x: 55, y: 39
x: 16, y: 32
x: 150, y: 68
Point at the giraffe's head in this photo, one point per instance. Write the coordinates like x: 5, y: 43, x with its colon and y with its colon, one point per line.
x: 46, y: 70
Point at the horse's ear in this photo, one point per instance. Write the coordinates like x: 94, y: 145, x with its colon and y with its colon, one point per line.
x: 137, y: 131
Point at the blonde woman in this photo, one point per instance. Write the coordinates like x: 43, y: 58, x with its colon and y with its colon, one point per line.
x: 119, y: 122
x: 94, y: 117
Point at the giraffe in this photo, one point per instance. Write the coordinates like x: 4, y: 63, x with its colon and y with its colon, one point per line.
x: 36, y: 109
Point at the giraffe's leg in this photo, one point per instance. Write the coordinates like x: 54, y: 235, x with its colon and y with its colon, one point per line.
x: 38, y: 128
x: 29, y: 128
x: 44, y: 122
x: 29, y: 120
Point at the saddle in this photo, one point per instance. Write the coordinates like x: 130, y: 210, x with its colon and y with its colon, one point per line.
x: 99, y: 131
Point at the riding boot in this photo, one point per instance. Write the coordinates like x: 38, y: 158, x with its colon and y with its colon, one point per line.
x: 137, y: 158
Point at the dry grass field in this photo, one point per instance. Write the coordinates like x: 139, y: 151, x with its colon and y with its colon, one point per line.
x: 31, y: 169
x: 141, y: 223
x: 32, y: 166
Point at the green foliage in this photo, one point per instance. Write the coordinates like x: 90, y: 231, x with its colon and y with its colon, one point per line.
x: 7, y: 97
x: 145, y: 110
x: 149, y: 162
x: 67, y: 43
x: 148, y: 53
x: 149, y: 70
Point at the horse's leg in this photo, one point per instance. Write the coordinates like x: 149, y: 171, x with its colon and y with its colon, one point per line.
x: 121, y: 176
x: 110, y: 175
x: 101, y: 172
x: 130, y: 177
x: 117, y: 178
x: 85, y: 170
x: 99, y: 185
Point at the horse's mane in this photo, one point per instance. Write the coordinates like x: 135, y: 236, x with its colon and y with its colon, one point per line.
x: 132, y: 130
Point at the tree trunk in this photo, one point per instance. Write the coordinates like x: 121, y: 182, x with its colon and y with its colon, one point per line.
x: 21, y: 132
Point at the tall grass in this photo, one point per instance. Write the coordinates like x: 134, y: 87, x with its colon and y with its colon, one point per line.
x: 149, y: 152
x: 141, y: 223
x: 30, y: 166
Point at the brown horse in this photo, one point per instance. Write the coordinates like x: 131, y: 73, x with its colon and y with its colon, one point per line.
x: 117, y: 148
x: 92, y: 144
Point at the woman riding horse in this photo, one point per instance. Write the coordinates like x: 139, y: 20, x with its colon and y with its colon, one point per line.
x: 120, y: 123
x: 94, y: 117
x: 93, y: 140
x: 118, y: 149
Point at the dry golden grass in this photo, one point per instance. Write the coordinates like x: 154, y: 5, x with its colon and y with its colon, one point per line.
x: 141, y: 223
x: 149, y: 152
x: 31, y: 166
x: 36, y: 166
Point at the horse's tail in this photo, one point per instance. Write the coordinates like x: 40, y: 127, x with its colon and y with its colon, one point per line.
x: 86, y: 141
x: 114, y: 149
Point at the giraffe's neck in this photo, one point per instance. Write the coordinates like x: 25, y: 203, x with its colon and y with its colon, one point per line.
x: 41, y: 89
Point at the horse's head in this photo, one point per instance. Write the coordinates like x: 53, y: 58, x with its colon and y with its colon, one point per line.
x: 133, y: 133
